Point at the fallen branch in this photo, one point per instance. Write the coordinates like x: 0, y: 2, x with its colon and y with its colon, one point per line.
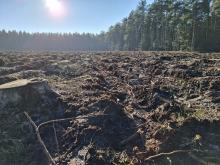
x: 62, y: 120
x: 37, y: 130
x: 167, y: 154
x: 45, y: 150
x: 54, y: 121
x: 179, y: 151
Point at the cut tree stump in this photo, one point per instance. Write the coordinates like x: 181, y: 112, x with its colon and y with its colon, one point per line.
x: 24, y: 92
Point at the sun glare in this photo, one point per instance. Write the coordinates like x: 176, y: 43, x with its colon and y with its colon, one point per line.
x: 56, y: 8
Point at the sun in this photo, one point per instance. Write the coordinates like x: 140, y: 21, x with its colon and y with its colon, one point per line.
x: 56, y: 8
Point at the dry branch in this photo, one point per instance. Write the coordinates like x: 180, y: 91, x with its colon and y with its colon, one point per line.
x: 46, y: 152
x: 180, y: 151
x: 54, y: 121
x: 37, y: 128
x: 167, y: 154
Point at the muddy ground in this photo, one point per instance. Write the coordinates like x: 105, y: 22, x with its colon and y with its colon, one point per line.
x: 125, y: 108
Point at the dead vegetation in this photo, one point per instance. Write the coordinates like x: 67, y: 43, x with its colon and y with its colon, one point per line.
x: 114, y: 108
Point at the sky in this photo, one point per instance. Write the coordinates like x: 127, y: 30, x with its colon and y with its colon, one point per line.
x: 63, y: 15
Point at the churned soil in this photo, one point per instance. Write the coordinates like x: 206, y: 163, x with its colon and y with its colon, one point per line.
x: 122, y: 107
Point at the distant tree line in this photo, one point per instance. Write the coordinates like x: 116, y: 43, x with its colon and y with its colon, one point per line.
x: 192, y: 25
x: 12, y: 40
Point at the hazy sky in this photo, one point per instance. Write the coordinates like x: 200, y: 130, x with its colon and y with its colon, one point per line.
x: 63, y: 15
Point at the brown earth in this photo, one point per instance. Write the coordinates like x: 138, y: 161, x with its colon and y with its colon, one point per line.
x: 126, y: 107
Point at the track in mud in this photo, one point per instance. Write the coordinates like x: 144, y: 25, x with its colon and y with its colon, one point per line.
x: 126, y: 106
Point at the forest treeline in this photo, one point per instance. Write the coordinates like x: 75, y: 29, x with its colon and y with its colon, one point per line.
x: 192, y: 25
x: 19, y: 41
x: 169, y: 25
